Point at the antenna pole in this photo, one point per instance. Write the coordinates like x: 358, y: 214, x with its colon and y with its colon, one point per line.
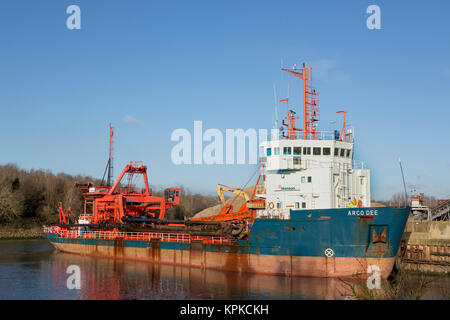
x: 404, y: 184
x: 276, y: 107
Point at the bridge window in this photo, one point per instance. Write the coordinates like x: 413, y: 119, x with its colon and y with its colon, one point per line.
x: 297, y: 150
x: 303, y: 179
x: 303, y: 205
x: 269, y: 151
x: 307, y: 150
x: 317, y: 151
x: 336, y: 152
x: 326, y: 151
x: 309, y: 179
x: 342, y: 152
x: 278, y: 205
x: 287, y: 150
x: 276, y: 151
x: 348, y: 153
x: 297, y: 205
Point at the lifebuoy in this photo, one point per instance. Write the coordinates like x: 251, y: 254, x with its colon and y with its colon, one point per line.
x: 271, y: 205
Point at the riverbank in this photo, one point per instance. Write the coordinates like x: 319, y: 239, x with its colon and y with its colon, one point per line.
x: 8, y: 232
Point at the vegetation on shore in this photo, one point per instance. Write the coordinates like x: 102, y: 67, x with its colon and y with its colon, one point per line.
x: 401, y: 285
x: 13, y: 232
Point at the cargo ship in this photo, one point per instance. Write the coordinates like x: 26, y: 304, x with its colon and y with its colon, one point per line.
x: 309, y: 213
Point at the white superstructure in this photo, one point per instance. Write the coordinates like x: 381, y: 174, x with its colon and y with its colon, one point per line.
x: 310, y: 169
x: 312, y: 174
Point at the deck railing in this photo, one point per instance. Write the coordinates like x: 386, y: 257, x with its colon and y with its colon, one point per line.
x: 79, y: 233
x: 320, y: 135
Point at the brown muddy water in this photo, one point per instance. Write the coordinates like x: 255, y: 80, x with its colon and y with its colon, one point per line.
x: 33, y: 269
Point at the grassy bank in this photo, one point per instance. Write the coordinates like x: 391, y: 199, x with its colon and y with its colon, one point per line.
x: 15, y: 232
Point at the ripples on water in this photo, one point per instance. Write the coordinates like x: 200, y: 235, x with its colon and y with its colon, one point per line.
x: 32, y: 269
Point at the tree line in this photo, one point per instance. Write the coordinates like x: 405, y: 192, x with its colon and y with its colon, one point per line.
x: 32, y: 196
x: 398, y: 199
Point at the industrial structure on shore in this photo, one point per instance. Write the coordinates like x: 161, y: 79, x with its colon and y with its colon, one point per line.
x: 420, y: 211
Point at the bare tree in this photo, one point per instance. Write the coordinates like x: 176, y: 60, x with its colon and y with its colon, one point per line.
x: 398, y: 199
x: 10, y: 204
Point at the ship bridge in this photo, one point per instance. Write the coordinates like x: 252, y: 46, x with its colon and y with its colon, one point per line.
x: 312, y: 174
x: 293, y: 154
x: 311, y: 169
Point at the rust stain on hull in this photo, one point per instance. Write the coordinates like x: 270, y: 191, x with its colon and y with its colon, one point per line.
x: 154, y: 250
x: 118, y: 247
x: 238, y: 262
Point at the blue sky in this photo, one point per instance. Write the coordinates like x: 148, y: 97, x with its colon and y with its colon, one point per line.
x: 168, y: 63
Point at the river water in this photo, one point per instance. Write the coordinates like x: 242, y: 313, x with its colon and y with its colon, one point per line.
x: 33, y: 269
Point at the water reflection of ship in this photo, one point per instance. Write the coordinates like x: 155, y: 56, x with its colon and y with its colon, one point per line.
x: 103, y: 278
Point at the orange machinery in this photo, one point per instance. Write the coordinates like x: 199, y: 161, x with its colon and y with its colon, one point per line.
x: 111, y: 204
x: 247, y: 211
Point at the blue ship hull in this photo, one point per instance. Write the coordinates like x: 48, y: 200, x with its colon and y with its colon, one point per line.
x: 348, y: 232
x: 322, y: 243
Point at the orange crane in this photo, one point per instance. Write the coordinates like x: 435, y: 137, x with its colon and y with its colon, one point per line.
x: 112, y: 204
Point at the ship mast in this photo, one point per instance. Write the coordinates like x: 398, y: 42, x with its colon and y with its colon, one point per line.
x: 110, y: 158
x: 290, y: 120
x: 344, y: 134
x: 310, y: 101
